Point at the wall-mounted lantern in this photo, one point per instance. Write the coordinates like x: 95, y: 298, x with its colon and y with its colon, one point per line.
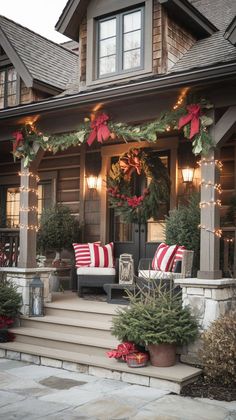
x: 92, y: 182
x: 187, y: 174
x: 36, y: 293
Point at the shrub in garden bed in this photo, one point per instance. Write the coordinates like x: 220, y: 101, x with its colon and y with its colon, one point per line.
x: 10, y: 304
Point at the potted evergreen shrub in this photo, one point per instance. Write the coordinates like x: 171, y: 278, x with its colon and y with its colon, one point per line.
x: 58, y: 230
x: 156, y: 319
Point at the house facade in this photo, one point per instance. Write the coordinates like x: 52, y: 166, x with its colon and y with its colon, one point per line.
x: 131, y: 62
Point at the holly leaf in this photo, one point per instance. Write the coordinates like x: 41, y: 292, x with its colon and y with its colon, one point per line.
x: 81, y: 136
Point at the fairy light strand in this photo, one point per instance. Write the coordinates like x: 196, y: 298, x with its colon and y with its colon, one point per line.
x: 29, y: 174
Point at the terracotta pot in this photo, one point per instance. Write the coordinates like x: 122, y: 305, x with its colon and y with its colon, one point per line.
x: 162, y: 355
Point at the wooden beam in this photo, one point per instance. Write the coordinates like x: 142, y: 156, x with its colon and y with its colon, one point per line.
x: 210, y: 220
x: 225, y: 127
x: 29, y: 219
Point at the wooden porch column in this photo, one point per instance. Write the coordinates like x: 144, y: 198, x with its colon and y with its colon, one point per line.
x: 28, y: 199
x: 210, y: 219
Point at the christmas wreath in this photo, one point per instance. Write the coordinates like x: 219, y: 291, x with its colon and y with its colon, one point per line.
x: 133, y: 208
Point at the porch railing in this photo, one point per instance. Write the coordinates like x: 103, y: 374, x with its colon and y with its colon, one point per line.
x: 9, y: 247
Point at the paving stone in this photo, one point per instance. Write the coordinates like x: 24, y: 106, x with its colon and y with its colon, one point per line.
x: 104, y: 373
x: 135, y: 379
x: 30, y: 358
x: 165, y: 385
x: 178, y: 408
x: 104, y: 386
x: 107, y: 409
x: 35, y: 372
x: 74, y: 396
x: 228, y: 405
x: 56, y: 382
x: 2, y: 353
x: 7, y: 398
x: 138, y: 396
x: 13, y: 355
x: 11, y: 364
x: 45, y: 361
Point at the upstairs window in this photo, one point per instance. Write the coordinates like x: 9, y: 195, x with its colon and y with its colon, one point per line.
x: 8, y: 87
x: 120, y: 43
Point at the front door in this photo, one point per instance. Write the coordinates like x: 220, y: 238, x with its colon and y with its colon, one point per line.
x: 140, y: 240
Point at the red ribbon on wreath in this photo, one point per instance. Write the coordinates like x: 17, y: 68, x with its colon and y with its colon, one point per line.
x: 131, y: 163
x: 100, y: 129
x: 19, y: 138
x: 193, y: 116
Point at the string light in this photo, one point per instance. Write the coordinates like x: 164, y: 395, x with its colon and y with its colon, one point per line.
x: 216, y: 232
x: 216, y: 187
x: 27, y: 209
x: 29, y: 227
x: 229, y: 240
x: 203, y: 204
x: 26, y: 189
x: 29, y: 174
x: 206, y: 162
x: 181, y: 98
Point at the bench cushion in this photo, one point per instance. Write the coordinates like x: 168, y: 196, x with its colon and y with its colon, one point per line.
x: 96, y: 271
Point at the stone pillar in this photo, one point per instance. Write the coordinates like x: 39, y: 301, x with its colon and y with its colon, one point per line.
x: 208, y: 300
x: 210, y: 218
x: 22, y: 277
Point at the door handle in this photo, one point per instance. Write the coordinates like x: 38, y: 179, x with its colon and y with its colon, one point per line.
x: 142, y: 230
x: 136, y: 230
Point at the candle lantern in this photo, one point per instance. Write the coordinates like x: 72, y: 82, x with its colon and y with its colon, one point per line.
x: 126, y: 269
x: 36, y: 293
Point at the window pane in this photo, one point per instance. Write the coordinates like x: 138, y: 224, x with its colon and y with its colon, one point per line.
x: 2, y: 77
x: 13, y: 207
x: 132, y: 40
x: 11, y: 88
x: 11, y: 75
x: 107, y: 65
x: 132, y: 21
x: 108, y: 28
x: 107, y: 47
x: 11, y: 100
x: 132, y: 59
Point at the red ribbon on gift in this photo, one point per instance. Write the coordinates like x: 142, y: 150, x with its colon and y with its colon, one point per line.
x: 193, y: 117
x: 100, y: 129
x: 19, y: 138
x: 131, y: 163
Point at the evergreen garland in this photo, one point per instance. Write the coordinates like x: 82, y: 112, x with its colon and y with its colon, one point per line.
x: 167, y: 122
x: 135, y: 209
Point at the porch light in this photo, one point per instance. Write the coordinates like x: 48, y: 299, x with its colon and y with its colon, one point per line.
x: 92, y: 182
x: 36, y: 293
x: 187, y: 174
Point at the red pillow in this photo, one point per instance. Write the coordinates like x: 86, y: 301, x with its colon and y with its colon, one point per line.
x: 102, y: 256
x: 82, y: 255
x: 164, y: 257
x: 178, y: 256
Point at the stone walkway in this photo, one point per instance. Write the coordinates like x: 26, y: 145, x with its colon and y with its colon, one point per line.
x: 37, y: 392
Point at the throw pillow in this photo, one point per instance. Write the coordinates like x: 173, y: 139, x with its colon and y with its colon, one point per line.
x: 164, y: 257
x: 178, y: 256
x: 102, y: 256
x: 82, y: 255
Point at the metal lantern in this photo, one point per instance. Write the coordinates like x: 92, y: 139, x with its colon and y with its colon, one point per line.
x: 36, y: 293
x: 126, y: 269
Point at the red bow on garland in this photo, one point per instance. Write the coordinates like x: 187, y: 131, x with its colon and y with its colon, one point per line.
x: 130, y: 163
x: 100, y: 130
x: 19, y: 138
x: 193, y: 117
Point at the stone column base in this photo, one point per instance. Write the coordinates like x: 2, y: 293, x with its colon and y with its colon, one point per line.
x: 208, y: 300
x: 22, y: 277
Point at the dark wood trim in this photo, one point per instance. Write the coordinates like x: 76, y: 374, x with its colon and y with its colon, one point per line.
x: 225, y: 126
x: 71, y: 17
x: 230, y: 32
x: 15, y: 60
x: 189, y: 17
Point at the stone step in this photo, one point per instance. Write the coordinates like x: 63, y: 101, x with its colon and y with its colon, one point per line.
x: 69, y: 325
x: 170, y: 378
x: 57, y: 340
x: 78, y: 314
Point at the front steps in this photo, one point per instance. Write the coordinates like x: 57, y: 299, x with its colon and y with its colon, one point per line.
x: 75, y: 335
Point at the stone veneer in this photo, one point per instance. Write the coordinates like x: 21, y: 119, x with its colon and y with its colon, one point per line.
x: 208, y: 300
x: 22, y: 277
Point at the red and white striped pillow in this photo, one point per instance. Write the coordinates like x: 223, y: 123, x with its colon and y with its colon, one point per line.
x: 82, y: 255
x: 164, y: 257
x: 178, y: 256
x: 102, y: 256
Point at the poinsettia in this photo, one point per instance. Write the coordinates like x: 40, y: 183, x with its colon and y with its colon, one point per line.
x: 122, y: 350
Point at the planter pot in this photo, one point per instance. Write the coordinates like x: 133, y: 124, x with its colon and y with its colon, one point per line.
x: 162, y: 355
x: 136, y: 360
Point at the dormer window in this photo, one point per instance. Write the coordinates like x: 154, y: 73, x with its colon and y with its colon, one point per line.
x: 120, y: 43
x: 8, y: 87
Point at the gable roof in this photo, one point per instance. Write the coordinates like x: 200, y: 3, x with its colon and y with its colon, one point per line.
x: 70, y: 19
x: 230, y: 32
x: 215, y: 49
x: 38, y: 60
